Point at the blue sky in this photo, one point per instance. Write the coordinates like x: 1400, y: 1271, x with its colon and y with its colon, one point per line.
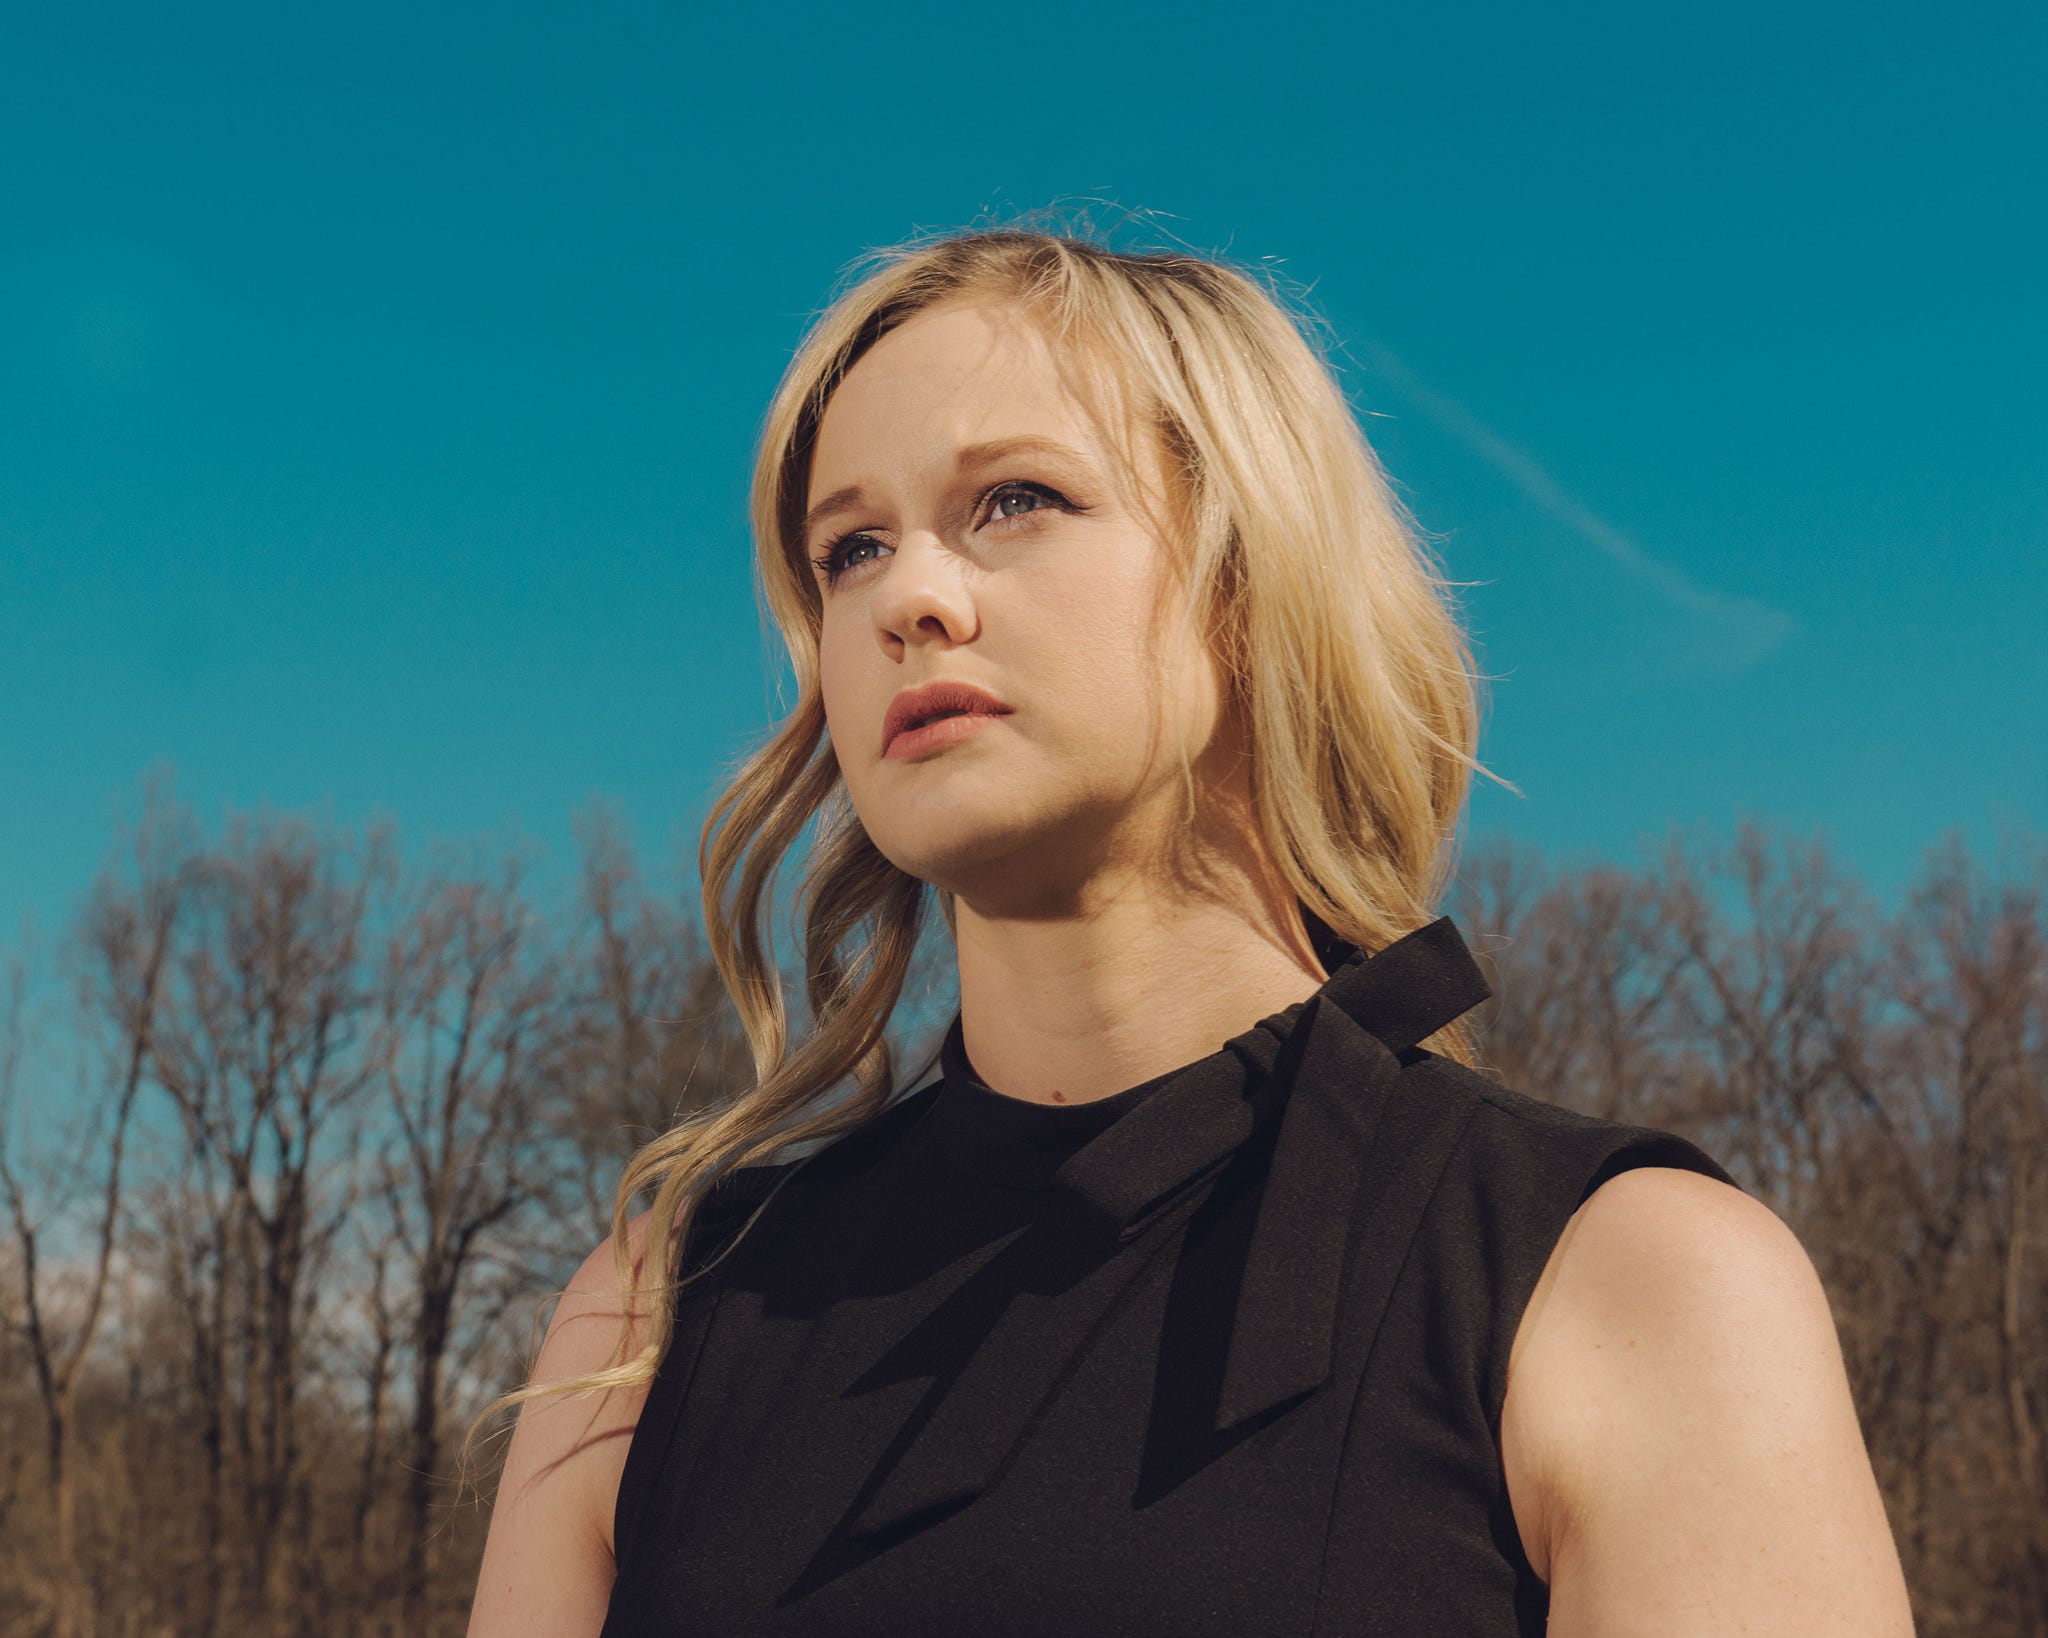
x: 378, y: 383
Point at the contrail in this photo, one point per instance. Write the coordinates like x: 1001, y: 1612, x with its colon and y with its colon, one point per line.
x: 1747, y: 630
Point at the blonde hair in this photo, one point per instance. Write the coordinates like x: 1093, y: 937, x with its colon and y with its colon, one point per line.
x: 1310, y: 580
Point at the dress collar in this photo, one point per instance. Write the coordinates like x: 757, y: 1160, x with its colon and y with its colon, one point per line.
x: 1022, y: 1144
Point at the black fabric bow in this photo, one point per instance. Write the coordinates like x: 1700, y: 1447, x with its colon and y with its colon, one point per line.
x: 1352, y: 1156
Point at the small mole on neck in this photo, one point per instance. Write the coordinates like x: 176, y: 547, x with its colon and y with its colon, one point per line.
x: 1059, y: 1097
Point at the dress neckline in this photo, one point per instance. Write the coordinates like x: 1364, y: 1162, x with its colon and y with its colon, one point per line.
x: 1022, y: 1144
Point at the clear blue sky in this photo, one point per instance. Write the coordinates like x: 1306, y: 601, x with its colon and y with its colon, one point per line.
x: 377, y: 384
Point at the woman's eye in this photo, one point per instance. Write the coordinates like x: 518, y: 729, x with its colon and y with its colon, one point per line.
x: 834, y: 560
x: 1003, y: 494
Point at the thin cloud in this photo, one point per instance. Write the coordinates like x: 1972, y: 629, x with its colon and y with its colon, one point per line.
x: 1740, y: 630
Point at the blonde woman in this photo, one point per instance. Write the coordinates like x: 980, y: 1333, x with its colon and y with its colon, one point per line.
x: 1208, y: 1289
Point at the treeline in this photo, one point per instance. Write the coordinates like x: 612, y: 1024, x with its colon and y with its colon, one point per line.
x: 296, y: 1142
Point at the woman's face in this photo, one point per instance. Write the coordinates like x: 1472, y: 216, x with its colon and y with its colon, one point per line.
x: 981, y: 534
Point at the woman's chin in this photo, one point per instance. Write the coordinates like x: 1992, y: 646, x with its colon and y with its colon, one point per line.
x: 958, y: 856
x: 955, y: 864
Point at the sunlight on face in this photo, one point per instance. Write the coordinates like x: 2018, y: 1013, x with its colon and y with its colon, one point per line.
x: 975, y: 529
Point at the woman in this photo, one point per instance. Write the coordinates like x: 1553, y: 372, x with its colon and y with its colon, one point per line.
x: 1126, y: 652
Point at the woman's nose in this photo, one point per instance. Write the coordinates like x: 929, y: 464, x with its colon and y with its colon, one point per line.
x: 920, y: 583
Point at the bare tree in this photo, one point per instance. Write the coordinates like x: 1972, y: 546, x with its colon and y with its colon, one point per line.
x: 649, y: 1033
x: 125, y: 946
x: 377, y: 1371
x: 1950, y: 1080
x: 464, y: 1001
x: 302, y: 1052
x: 1588, y: 984
x: 261, y: 1053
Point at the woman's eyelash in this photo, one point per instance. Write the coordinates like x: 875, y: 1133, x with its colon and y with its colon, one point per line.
x: 832, y: 563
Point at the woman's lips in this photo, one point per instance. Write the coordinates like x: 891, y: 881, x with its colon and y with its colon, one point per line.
x: 939, y: 734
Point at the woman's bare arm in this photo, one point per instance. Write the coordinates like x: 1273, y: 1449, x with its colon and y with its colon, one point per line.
x: 1689, y: 1410
x: 548, y: 1562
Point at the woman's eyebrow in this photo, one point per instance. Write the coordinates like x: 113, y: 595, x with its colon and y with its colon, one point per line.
x: 965, y: 459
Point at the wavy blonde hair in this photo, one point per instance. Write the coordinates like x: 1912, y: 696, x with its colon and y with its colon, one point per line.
x: 1334, y: 631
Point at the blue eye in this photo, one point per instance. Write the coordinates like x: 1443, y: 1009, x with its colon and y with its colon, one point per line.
x: 836, y: 558
x: 1016, y: 491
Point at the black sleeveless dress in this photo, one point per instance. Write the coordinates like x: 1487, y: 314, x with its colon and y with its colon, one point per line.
x: 1222, y: 1354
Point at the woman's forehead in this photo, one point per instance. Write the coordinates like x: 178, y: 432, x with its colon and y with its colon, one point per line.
x: 962, y: 377
x: 957, y: 362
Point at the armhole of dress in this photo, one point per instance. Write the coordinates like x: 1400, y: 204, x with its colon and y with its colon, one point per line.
x: 1629, y: 1147
x: 1645, y: 1146
x: 724, y: 1213
x: 1615, y: 1150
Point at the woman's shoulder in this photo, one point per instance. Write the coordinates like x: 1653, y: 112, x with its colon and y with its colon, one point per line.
x: 730, y: 1202
x: 1526, y: 1171
x: 1515, y: 1136
x: 1679, y: 1414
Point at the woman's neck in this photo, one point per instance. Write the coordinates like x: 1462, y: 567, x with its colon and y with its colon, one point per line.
x: 1068, y: 1011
